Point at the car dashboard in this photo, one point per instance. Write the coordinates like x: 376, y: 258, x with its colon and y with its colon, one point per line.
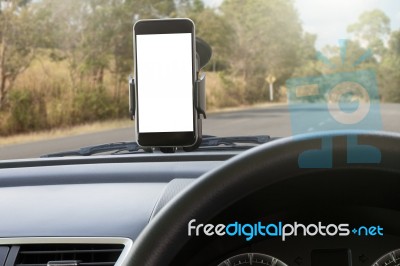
x: 90, y: 210
x: 101, y: 200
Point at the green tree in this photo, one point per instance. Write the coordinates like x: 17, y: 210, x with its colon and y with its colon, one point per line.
x: 389, y: 70
x: 215, y: 30
x: 356, y: 57
x: 307, y: 63
x: 265, y: 40
x: 96, y: 35
x: 19, y: 39
x: 110, y: 29
x: 372, y: 28
x: 68, y: 20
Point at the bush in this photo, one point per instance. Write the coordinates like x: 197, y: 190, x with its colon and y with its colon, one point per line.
x: 223, y: 90
x: 94, y: 105
x: 33, y: 110
x: 27, y: 112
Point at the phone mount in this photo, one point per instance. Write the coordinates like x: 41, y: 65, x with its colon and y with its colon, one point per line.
x: 203, y: 56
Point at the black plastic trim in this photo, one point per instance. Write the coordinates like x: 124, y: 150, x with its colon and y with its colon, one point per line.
x: 131, y: 158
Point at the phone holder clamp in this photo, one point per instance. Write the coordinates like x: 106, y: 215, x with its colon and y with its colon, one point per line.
x: 199, y: 96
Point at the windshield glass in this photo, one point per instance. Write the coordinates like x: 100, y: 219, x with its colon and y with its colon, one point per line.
x: 279, y: 68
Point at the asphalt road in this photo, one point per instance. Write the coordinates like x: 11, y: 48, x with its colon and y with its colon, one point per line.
x: 269, y: 120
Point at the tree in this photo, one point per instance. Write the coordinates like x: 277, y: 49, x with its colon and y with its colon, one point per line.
x: 215, y: 30
x: 307, y: 63
x: 265, y: 40
x: 96, y: 35
x: 19, y: 40
x: 371, y: 29
x: 123, y: 16
x: 389, y: 69
x: 355, y: 57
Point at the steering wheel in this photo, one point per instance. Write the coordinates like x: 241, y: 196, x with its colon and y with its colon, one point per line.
x: 166, y: 234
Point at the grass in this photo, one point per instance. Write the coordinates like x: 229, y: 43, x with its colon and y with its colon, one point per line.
x: 49, y: 86
x: 64, y: 132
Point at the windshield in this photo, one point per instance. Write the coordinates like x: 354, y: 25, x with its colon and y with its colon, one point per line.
x: 278, y: 68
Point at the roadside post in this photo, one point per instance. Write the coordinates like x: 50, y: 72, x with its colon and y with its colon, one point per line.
x: 271, y: 79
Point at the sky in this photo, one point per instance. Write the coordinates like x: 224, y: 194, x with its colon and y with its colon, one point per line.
x: 329, y: 18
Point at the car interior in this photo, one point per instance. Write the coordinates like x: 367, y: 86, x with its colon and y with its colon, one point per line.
x: 186, y: 197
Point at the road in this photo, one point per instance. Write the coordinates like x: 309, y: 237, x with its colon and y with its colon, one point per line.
x: 270, y: 120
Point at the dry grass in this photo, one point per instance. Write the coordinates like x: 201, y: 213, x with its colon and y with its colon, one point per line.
x: 222, y: 95
x: 63, y: 132
x: 42, y: 75
x: 44, y: 97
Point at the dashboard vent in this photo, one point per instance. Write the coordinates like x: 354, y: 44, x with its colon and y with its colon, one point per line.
x: 68, y: 254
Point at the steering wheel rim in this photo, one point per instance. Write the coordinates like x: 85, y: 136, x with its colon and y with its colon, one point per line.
x: 166, y: 234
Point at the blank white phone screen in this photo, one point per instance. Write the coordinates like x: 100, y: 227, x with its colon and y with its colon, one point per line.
x: 165, y: 82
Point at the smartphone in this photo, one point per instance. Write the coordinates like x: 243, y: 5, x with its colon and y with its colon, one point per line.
x: 165, y: 71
